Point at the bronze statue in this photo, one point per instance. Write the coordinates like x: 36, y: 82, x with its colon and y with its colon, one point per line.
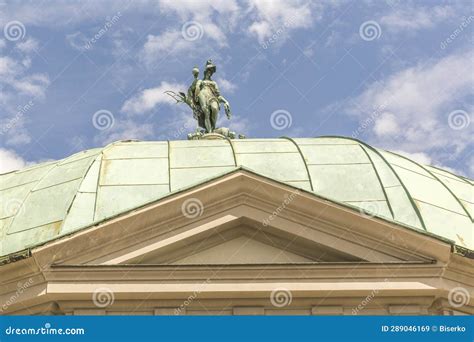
x: 192, y: 100
x: 209, y: 97
x: 204, y: 99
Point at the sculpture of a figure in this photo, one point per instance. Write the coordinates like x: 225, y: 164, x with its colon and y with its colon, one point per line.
x: 204, y: 98
x: 192, y: 100
x: 209, y: 97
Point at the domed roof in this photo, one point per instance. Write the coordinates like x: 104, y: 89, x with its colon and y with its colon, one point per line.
x: 52, y: 199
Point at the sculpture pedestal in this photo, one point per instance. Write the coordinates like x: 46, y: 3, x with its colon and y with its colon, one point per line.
x: 218, y: 134
x: 206, y: 136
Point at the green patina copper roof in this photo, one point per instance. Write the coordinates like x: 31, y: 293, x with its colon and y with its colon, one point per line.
x: 52, y: 199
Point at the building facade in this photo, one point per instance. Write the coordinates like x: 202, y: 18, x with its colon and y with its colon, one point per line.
x: 309, y: 226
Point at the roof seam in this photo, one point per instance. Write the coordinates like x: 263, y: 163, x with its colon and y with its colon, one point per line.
x: 138, y: 184
x: 410, y: 198
x: 136, y: 158
x: 442, y: 208
x: 35, y: 227
x: 406, y: 169
x: 449, y: 176
x: 64, y: 161
x: 380, y: 182
x: 439, y: 180
x: 200, y: 167
x: 304, y: 162
x: 270, y: 152
x: 459, y: 178
x: 75, y: 195
x: 29, y: 193
x: 316, y: 164
x: 169, y: 165
x: 18, y: 185
x: 233, y: 151
x: 364, y: 201
x: 98, y: 183
x: 57, y: 184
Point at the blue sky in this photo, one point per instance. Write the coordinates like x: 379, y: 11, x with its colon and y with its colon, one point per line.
x: 395, y: 74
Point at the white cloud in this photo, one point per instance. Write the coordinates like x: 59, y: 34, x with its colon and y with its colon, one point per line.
x: 27, y: 46
x: 261, y: 29
x: 272, y: 16
x: 147, y: 99
x: 69, y: 13
x: 125, y: 129
x: 203, y: 8
x: 14, y: 74
x: 226, y: 86
x: 412, y: 18
x: 19, y: 135
x: 8, y: 66
x: 20, y: 89
x: 386, y: 124
x: 33, y: 85
x: 168, y: 43
x: 77, y: 40
x: 237, y: 123
x: 10, y: 161
x: 412, y: 108
x: 198, y: 23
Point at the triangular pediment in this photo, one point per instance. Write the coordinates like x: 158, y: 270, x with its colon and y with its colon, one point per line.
x: 241, y: 250
x: 231, y: 240
x: 248, y: 221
